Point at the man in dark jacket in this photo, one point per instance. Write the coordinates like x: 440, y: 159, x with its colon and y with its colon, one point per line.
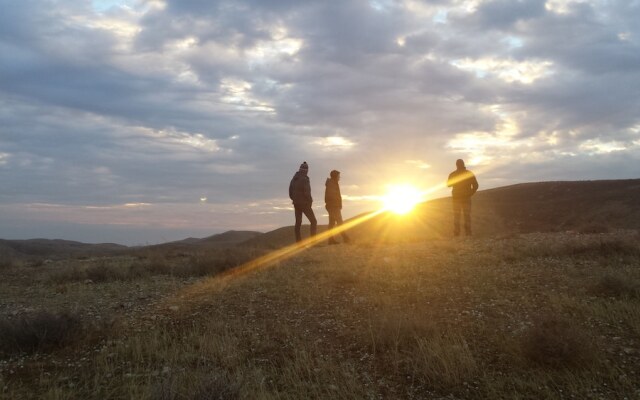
x: 333, y: 204
x: 464, y: 185
x: 300, y: 194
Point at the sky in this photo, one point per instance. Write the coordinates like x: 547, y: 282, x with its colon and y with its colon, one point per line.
x: 145, y: 121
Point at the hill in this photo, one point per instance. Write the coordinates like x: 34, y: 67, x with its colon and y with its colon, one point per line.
x: 57, y: 248
x: 220, y: 240
x: 531, y: 316
x: 585, y: 206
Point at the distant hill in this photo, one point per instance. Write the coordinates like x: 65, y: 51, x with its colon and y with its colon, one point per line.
x: 589, y: 206
x: 279, y: 237
x: 221, y: 240
x: 56, y: 248
x: 586, y: 206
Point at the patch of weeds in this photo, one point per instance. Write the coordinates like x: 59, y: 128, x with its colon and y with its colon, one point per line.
x: 593, y: 229
x: 38, y: 332
x: 106, y: 273
x: 614, y: 286
x: 216, y: 386
x: 444, y: 361
x: 214, y: 262
x: 555, y: 342
x: 68, y: 274
x: 605, y: 248
x: 6, y: 261
x: 158, y: 266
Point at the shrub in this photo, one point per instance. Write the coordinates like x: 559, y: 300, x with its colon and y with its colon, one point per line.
x: 216, y: 386
x: 614, y: 286
x: 68, y: 274
x: 594, y: 228
x: 605, y: 248
x: 106, y: 273
x: 555, y: 342
x: 215, y: 262
x: 38, y: 332
x: 444, y: 360
x: 5, y: 261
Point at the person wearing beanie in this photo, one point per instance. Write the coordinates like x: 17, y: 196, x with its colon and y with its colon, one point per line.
x: 465, y: 185
x: 333, y: 204
x: 300, y: 195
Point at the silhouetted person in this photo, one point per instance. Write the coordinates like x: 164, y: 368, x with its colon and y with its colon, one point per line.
x: 464, y: 185
x: 333, y: 204
x: 300, y: 194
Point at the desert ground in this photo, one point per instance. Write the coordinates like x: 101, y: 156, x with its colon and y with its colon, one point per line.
x: 518, y: 316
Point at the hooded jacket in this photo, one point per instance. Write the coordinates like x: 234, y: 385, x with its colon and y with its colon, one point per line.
x: 300, y: 189
x: 332, y: 196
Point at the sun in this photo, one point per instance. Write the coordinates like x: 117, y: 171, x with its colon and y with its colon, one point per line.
x: 401, y: 199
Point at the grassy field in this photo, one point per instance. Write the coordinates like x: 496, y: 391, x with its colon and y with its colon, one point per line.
x: 530, y: 316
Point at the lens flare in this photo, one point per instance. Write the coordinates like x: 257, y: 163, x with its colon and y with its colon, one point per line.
x: 401, y: 199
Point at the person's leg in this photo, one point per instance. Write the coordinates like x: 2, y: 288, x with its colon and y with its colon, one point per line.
x: 308, y: 211
x: 456, y: 217
x: 345, y: 237
x: 298, y: 212
x: 332, y: 222
x: 466, y: 210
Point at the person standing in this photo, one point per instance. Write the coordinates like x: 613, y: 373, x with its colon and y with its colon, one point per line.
x: 300, y: 194
x: 465, y: 185
x: 333, y: 204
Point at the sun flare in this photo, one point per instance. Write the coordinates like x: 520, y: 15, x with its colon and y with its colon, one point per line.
x: 401, y: 199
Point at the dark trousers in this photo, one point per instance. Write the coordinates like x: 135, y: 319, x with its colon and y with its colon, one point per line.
x: 306, y: 210
x: 462, y: 206
x: 335, y: 218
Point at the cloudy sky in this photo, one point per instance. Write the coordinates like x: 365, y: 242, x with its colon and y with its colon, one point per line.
x: 143, y: 121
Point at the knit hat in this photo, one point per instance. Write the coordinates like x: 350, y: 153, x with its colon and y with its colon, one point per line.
x: 334, y: 174
x: 304, y: 166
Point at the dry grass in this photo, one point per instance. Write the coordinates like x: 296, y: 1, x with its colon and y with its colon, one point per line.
x: 152, y: 263
x: 555, y: 342
x: 41, y: 331
x: 476, y: 319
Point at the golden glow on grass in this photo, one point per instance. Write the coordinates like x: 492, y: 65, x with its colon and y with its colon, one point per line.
x: 401, y: 199
x: 276, y: 256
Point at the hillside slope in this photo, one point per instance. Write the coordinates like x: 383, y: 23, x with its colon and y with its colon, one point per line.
x: 531, y: 316
x: 528, y: 207
x: 58, y: 248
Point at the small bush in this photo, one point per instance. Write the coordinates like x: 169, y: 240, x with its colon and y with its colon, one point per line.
x: 68, y: 274
x: 444, y: 360
x: 605, y: 248
x: 614, y: 286
x: 554, y: 342
x: 105, y: 273
x: 215, y: 262
x: 216, y: 386
x: 38, y: 332
x: 158, y: 267
x: 594, y: 228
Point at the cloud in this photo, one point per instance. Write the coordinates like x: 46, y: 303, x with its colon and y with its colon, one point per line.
x: 167, y: 102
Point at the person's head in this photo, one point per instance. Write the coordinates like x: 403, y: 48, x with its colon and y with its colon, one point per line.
x: 335, y: 175
x: 460, y: 164
x: 304, y: 168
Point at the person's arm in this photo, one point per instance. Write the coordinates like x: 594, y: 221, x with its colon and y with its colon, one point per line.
x: 474, y: 184
x: 307, y: 190
x: 450, y: 181
x: 291, y: 189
